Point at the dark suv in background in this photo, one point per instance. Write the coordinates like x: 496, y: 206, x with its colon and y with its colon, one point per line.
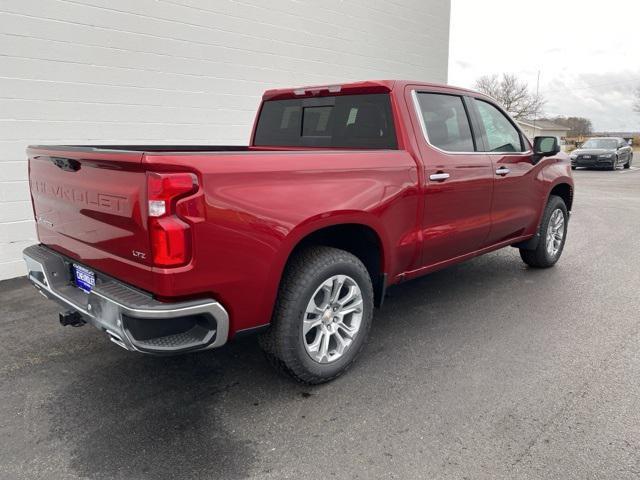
x: 603, y: 152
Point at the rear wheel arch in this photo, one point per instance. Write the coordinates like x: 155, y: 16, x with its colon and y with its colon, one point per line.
x: 316, y: 334
x: 359, y: 239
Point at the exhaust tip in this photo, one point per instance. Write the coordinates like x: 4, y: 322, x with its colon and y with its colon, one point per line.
x: 115, y: 338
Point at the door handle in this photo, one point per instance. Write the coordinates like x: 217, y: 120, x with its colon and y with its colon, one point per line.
x: 502, y: 171
x: 439, y: 177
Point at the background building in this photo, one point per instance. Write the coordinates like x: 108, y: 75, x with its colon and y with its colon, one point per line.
x: 542, y: 128
x: 182, y: 71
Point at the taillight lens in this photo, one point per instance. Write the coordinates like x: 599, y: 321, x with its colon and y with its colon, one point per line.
x: 170, y: 236
x: 165, y: 188
x: 170, y: 241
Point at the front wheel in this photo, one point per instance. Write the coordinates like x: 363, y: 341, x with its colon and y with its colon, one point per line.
x: 552, y: 235
x: 322, y: 316
x: 628, y: 164
x: 614, y: 163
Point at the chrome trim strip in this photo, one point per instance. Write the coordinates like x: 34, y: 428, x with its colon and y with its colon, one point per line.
x: 418, y: 111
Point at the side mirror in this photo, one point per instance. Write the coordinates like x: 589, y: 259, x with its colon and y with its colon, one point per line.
x: 545, y: 146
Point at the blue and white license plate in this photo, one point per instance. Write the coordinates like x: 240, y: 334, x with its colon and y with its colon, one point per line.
x: 84, y: 278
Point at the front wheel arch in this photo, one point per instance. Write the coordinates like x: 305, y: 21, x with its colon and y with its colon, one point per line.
x: 564, y: 191
x: 538, y: 255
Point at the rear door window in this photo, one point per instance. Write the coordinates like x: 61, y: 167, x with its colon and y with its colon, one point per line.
x: 341, y: 121
x: 446, y: 122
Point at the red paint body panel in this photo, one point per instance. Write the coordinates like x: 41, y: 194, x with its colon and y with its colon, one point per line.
x: 256, y: 212
x: 515, y: 200
x: 253, y: 207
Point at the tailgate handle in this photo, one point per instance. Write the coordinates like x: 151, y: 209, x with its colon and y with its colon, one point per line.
x: 67, y: 164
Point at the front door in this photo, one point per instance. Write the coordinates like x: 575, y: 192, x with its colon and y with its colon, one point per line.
x: 515, y: 198
x: 458, y: 180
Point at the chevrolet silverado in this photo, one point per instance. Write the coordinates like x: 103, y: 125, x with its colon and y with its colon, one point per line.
x: 343, y: 191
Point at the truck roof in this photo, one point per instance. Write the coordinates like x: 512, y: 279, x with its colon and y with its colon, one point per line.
x: 368, y: 86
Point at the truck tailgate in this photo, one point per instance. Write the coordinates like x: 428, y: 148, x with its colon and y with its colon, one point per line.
x: 88, y: 204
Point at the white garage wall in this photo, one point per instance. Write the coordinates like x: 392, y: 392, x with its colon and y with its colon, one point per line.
x: 182, y: 71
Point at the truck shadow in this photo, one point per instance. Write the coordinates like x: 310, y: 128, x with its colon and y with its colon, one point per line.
x: 151, y: 418
x: 128, y: 416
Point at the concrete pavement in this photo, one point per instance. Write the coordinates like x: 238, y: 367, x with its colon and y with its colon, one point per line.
x: 484, y: 370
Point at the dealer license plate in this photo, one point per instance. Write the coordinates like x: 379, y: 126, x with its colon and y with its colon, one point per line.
x: 84, y: 278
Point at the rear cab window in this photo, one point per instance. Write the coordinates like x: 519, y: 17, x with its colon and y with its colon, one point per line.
x: 340, y: 121
x: 445, y: 121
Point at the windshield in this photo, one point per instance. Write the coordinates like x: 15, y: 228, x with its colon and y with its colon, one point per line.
x: 607, y: 143
x: 343, y: 121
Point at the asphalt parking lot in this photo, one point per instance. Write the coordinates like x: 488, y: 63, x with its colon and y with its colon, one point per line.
x: 484, y: 370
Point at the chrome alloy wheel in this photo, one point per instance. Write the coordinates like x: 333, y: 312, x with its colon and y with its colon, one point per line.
x: 332, y: 318
x: 555, y: 232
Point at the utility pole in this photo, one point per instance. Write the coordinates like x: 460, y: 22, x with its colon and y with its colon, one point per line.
x: 537, y: 96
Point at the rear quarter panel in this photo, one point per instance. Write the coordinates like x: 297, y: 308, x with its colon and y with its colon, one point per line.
x: 258, y: 206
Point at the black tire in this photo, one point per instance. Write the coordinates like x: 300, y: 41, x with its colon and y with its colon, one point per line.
x: 614, y: 164
x: 540, y: 256
x: 573, y: 168
x: 283, y: 343
x: 629, y: 162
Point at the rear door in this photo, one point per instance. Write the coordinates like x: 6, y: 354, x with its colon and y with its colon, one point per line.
x: 515, y: 199
x: 458, y: 180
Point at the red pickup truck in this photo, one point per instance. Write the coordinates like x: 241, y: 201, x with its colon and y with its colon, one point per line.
x: 343, y: 191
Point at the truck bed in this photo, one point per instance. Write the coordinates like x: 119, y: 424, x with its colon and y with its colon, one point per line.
x: 144, y: 148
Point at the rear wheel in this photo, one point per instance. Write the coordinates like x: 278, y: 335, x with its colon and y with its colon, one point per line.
x: 322, y: 316
x: 552, y: 235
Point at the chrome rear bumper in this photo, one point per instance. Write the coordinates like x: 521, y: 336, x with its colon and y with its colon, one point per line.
x: 131, y: 318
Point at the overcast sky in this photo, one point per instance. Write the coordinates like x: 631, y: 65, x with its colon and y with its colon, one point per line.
x: 588, y: 53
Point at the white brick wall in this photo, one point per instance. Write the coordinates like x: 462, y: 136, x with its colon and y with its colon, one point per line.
x: 182, y: 71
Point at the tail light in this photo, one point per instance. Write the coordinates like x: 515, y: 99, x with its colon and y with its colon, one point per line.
x: 170, y: 236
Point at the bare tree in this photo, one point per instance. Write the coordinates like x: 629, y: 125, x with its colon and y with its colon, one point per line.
x: 513, y: 94
x: 578, y: 126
